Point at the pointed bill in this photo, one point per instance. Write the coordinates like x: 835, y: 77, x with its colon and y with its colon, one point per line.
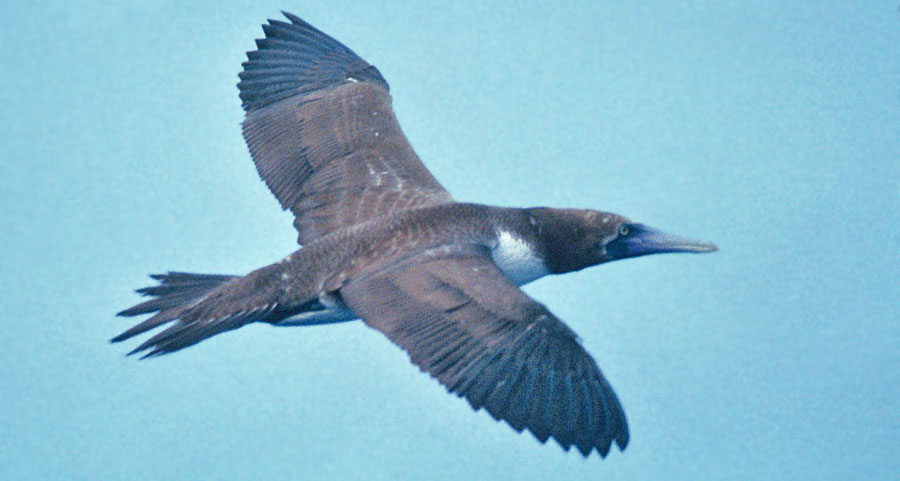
x: 642, y: 240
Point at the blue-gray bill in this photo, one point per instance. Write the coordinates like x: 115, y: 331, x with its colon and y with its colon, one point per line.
x: 639, y: 240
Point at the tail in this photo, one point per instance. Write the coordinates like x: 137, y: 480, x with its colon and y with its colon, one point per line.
x: 191, y: 301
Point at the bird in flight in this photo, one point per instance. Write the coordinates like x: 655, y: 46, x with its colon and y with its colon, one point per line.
x: 383, y: 242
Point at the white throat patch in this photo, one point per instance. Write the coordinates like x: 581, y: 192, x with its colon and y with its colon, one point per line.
x: 517, y: 260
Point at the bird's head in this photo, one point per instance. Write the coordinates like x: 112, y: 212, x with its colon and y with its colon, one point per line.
x: 577, y: 238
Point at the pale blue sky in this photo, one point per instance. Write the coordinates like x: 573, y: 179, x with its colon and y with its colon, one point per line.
x: 771, y: 128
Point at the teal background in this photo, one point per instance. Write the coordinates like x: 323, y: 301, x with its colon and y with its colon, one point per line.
x: 771, y: 128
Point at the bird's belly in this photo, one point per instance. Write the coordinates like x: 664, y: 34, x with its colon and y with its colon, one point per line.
x: 517, y: 259
x: 323, y: 316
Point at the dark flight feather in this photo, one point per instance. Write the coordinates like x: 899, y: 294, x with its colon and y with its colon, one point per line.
x: 463, y: 321
x: 323, y: 135
x: 319, y: 62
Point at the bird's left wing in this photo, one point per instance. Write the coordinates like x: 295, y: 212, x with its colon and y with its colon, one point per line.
x: 323, y: 134
x: 463, y: 321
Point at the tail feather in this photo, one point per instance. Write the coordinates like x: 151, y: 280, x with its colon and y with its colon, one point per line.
x: 183, y: 283
x: 176, y: 291
x: 183, y: 334
x: 158, y: 319
x: 159, y: 304
x: 200, y: 306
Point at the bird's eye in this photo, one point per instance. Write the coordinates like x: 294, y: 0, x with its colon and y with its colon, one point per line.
x: 623, y: 230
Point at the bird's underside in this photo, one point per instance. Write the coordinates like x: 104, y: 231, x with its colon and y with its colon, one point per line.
x: 384, y: 242
x: 458, y: 316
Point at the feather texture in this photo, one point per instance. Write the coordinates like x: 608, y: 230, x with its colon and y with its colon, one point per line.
x: 465, y: 323
x: 323, y: 135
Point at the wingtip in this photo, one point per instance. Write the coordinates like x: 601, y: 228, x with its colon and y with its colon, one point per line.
x: 584, y: 450
x: 127, y: 313
x: 293, y: 18
x: 603, y: 450
x: 142, y: 348
x: 151, y: 354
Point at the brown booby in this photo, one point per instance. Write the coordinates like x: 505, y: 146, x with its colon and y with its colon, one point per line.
x: 382, y: 241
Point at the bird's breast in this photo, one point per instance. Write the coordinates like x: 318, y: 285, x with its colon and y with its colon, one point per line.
x: 517, y: 258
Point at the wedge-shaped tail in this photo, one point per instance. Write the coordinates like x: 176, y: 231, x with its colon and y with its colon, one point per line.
x: 190, y: 301
x: 175, y: 289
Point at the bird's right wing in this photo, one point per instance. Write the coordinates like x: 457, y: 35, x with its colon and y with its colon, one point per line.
x: 463, y: 321
x: 323, y: 134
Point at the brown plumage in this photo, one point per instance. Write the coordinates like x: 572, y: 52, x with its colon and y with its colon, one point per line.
x: 385, y: 243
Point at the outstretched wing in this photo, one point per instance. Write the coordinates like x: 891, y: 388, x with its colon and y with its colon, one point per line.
x: 323, y: 135
x: 463, y: 321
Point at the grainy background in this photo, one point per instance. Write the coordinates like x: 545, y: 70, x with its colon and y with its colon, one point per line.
x: 770, y: 128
